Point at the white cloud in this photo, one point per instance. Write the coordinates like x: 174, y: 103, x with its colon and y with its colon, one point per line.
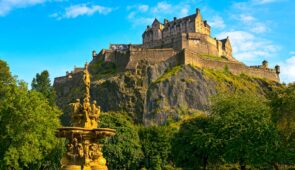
x: 7, y: 6
x: 259, y: 28
x: 247, y: 19
x: 143, y: 8
x: 251, y: 3
x: 217, y: 22
x: 248, y: 47
x: 183, y: 12
x: 138, y: 8
x: 162, y: 7
x: 144, y: 14
x: 251, y: 23
x: 288, y: 70
x: 259, y: 2
x: 75, y: 11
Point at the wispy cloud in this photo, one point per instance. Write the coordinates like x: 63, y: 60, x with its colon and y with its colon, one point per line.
x: 217, y: 22
x: 259, y: 2
x: 252, y: 3
x: 247, y: 19
x: 162, y: 7
x: 139, y: 8
x: 248, y: 47
x: 7, y: 6
x: 143, y: 14
x: 251, y: 23
x: 288, y: 70
x: 75, y: 11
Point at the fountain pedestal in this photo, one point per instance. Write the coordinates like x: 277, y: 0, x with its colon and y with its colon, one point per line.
x: 83, y: 150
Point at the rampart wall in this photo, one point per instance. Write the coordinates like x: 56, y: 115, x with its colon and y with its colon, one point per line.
x: 128, y: 60
x: 153, y: 56
x: 236, y: 68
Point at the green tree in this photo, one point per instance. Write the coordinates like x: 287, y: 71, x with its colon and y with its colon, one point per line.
x: 41, y: 83
x: 283, y: 115
x: 243, y: 123
x: 123, y: 151
x: 27, y: 124
x: 5, y: 76
x: 195, y: 145
x: 156, y: 146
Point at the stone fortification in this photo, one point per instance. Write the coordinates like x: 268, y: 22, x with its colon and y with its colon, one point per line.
x: 189, y: 32
x: 181, y: 41
x: 127, y: 58
x: 237, y: 68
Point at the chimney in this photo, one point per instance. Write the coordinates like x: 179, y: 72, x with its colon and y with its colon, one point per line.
x: 277, y: 68
x: 93, y: 53
x: 198, y: 11
x: 166, y: 21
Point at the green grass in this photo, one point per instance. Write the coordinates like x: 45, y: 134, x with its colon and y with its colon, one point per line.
x: 168, y: 74
x: 226, y: 81
x: 213, y: 57
x: 102, y: 69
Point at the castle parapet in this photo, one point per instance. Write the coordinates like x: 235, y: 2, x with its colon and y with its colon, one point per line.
x: 235, y: 68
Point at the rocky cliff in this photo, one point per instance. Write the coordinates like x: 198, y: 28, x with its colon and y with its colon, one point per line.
x: 155, y: 94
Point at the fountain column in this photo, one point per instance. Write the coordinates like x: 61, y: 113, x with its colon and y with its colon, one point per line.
x: 83, y: 150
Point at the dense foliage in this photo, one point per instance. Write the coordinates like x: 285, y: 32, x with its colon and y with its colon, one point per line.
x: 123, y: 151
x: 156, y: 146
x: 27, y: 124
x: 195, y: 145
x: 242, y: 130
x: 283, y: 115
x: 41, y: 83
x: 243, y: 123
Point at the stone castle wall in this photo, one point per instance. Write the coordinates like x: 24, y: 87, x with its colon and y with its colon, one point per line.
x: 236, y: 68
x: 128, y: 60
x: 152, y: 56
x: 197, y: 42
x: 204, y: 44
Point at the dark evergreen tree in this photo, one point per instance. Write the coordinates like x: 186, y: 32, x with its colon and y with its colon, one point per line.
x: 41, y: 83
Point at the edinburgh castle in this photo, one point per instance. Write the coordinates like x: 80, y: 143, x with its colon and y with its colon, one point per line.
x: 180, y: 41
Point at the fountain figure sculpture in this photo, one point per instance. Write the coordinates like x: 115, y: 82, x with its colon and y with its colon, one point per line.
x: 83, y: 151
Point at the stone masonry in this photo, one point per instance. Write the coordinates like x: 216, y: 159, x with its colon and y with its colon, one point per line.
x: 180, y: 41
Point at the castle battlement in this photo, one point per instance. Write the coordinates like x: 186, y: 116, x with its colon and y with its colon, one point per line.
x: 191, y: 32
x: 181, y: 41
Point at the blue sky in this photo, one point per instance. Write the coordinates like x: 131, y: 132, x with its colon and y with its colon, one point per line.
x: 58, y: 34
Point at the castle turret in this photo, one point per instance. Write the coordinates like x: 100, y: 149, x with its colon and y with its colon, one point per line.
x: 198, y: 11
x: 278, y: 69
x: 94, y: 53
x: 166, y: 21
x: 264, y: 64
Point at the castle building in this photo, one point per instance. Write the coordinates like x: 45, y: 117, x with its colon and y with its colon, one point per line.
x: 191, y: 32
x: 180, y: 41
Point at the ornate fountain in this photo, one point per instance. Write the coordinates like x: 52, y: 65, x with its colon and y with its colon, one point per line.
x: 83, y: 151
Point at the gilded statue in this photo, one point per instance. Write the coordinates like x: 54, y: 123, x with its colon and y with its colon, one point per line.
x: 76, y: 107
x: 94, y: 114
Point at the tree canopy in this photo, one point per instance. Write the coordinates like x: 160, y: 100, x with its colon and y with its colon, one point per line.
x: 243, y: 122
x: 123, y: 151
x: 27, y: 124
x: 41, y: 83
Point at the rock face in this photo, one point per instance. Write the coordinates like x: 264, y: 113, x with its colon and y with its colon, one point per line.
x: 184, y: 91
x: 158, y: 93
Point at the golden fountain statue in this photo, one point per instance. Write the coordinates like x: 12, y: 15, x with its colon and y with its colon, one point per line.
x: 83, y: 148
